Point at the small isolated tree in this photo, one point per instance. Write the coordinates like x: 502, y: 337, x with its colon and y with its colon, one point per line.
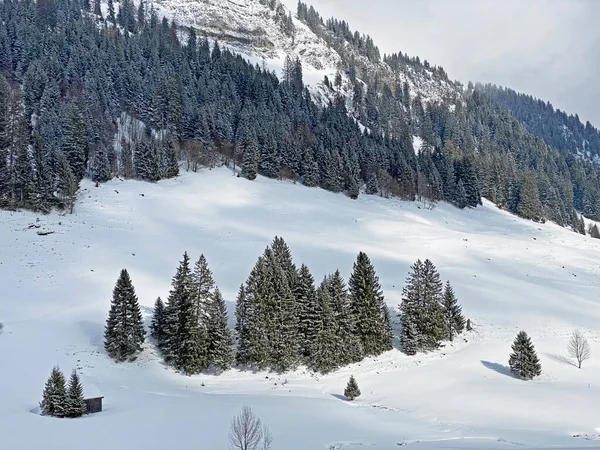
x: 523, y: 361
x: 54, y: 398
x: 352, y: 391
x: 469, y: 326
x: 248, y: 432
x: 594, y: 232
x: 579, y: 348
x: 75, y: 403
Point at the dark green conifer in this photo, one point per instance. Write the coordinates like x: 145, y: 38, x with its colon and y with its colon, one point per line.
x: 368, y: 307
x: 324, y: 354
x: 523, y: 361
x: 157, y: 325
x: 352, y: 391
x: 54, y: 398
x: 220, y: 341
x: 75, y: 403
x: 124, y: 333
x: 453, y: 318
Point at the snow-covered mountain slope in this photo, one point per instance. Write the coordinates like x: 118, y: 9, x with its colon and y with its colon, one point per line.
x: 508, y: 273
x: 255, y: 30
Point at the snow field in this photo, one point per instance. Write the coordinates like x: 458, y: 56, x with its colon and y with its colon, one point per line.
x: 509, y: 274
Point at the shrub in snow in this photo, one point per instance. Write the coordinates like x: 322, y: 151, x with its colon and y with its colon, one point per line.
x: 523, y: 361
x: 352, y: 391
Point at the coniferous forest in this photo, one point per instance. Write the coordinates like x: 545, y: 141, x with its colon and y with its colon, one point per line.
x: 283, y: 318
x: 69, y: 74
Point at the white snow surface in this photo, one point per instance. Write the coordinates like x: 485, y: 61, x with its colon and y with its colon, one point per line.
x: 509, y: 274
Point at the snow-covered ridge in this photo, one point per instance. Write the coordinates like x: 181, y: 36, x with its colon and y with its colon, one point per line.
x: 255, y: 30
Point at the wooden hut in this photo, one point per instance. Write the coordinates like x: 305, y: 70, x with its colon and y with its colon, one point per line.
x: 93, y: 399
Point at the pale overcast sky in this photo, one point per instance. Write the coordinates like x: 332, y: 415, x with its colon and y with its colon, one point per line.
x: 546, y: 48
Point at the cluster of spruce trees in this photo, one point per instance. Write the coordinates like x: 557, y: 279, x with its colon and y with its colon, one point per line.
x: 429, y: 311
x: 283, y: 320
x: 191, y: 329
x: 61, y: 400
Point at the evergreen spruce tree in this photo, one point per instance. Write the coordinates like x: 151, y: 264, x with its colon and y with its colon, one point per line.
x: 282, y: 326
x: 157, y: 326
x: 308, y: 310
x: 594, y: 232
x: 250, y: 159
x: 349, y: 343
x: 220, y: 341
x: 54, y: 398
x: 253, y: 338
x: 75, y: 404
x: 469, y: 326
x: 124, y: 333
x: 101, y: 167
x: 324, y: 355
x: 453, y: 318
x: 182, y: 347
x: 421, y: 313
x: 530, y: 206
x: 240, y: 315
x: 111, y: 12
x: 352, y: 391
x: 310, y: 170
x: 523, y: 361
x: 369, y: 308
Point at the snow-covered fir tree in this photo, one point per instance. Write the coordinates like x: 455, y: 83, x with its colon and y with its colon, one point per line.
x: 324, y: 356
x: 282, y: 326
x: 421, y: 312
x: 253, y: 344
x: 352, y: 390
x: 349, y: 347
x: 182, y: 347
x: 75, y: 403
x: 219, y: 338
x: 523, y: 361
x: 308, y: 310
x: 157, y: 325
x: 54, y: 399
x: 453, y: 318
x: 369, y: 308
x: 124, y: 333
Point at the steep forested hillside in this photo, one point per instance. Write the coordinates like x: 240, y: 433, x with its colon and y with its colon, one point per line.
x: 565, y: 132
x: 121, y: 91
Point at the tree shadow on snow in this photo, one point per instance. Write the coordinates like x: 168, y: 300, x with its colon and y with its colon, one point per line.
x: 561, y: 359
x: 94, y: 331
x: 340, y: 397
x: 501, y: 369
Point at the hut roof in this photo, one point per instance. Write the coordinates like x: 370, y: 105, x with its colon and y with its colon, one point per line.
x: 91, y: 391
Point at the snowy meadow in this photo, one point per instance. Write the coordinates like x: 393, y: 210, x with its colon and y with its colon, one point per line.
x: 509, y: 274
